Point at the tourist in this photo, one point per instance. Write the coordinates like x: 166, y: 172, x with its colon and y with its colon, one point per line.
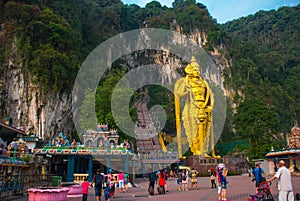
x: 193, y: 174
x: 213, y: 178
x: 219, y: 183
x: 152, y: 181
x: 110, y: 179
x: 162, y: 181
x: 126, y: 181
x: 258, y: 175
x: 285, y: 187
x: 166, y: 178
x: 185, y: 180
x: 223, y: 174
x: 98, y: 180
x: 121, y: 182
x: 179, y: 180
x: 85, y: 189
x: 107, y: 191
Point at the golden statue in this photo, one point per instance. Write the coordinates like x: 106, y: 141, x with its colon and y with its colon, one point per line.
x: 197, y: 113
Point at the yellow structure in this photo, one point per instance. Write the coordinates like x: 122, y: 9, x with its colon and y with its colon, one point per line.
x: 197, y: 113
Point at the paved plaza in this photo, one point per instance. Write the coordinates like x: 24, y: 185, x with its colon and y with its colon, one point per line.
x: 239, y: 188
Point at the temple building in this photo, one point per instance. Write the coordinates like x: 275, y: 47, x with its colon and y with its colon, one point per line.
x: 291, y: 154
x: 100, y: 149
x: 294, y: 137
x: 101, y: 137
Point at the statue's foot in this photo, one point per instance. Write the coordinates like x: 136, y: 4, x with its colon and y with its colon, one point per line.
x: 216, y: 156
x: 206, y: 155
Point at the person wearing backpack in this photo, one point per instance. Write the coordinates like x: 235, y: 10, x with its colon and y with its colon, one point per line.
x: 152, y: 181
x: 98, y: 180
x: 258, y: 175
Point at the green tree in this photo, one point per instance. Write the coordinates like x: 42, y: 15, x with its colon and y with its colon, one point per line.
x: 256, y: 122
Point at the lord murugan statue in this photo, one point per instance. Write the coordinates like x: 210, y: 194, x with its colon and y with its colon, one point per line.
x: 197, y: 112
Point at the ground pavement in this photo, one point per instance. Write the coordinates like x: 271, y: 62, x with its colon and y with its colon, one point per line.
x: 239, y: 188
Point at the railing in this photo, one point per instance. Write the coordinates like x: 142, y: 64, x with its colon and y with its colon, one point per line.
x: 78, y: 178
x: 19, y: 184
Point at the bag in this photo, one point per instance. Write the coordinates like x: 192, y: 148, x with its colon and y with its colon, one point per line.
x: 98, y: 180
x: 212, y: 177
x: 261, y: 177
x: 297, y: 196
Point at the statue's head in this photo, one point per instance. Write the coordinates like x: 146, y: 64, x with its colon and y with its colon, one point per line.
x: 189, y: 69
x: 193, y: 68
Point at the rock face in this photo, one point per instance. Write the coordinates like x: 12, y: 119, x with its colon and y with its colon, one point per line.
x: 49, y: 114
x: 22, y: 100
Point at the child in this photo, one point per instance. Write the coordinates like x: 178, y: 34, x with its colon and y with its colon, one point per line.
x: 85, y: 189
x: 107, y: 191
x: 219, y: 183
x: 162, y: 182
x: 185, y: 180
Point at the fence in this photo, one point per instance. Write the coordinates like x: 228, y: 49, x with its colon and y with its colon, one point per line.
x: 19, y: 184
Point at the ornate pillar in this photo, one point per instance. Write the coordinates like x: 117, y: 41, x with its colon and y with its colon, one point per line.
x: 90, y: 168
x: 71, y: 167
x: 107, y: 164
x: 126, y: 164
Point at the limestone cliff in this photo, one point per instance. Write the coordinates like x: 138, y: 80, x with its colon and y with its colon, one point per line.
x: 50, y: 113
x: 23, y: 101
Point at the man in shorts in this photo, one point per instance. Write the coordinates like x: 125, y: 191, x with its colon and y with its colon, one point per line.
x: 98, y: 180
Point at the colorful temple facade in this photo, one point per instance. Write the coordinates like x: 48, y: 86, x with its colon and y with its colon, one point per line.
x: 100, y: 150
x: 291, y: 154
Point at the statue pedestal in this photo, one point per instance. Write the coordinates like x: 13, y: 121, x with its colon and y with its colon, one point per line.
x: 203, y: 164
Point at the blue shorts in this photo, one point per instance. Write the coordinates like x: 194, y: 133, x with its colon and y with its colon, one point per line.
x: 224, y: 185
x: 98, y: 191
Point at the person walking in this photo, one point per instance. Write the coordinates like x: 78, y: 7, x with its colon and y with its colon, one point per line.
x: 285, y: 187
x: 213, y: 178
x: 98, y: 180
x: 121, y: 182
x: 162, y: 181
x: 193, y: 174
x: 185, y: 180
x: 179, y: 180
x: 152, y: 181
x: 85, y: 189
x: 126, y: 181
x: 107, y: 191
x: 258, y: 174
x: 219, y: 183
x: 111, y: 181
x: 166, y: 178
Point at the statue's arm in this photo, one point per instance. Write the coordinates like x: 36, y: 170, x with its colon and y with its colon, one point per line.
x: 181, y: 89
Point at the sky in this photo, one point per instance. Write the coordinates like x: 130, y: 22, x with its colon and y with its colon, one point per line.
x: 227, y: 10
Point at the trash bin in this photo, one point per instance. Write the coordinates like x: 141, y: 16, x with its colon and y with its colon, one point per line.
x: 56, y: 180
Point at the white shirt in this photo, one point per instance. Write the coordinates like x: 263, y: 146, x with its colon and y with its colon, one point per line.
x: 284, y: 179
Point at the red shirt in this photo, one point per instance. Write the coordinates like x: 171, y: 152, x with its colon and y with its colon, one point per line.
x: 85, y: 187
